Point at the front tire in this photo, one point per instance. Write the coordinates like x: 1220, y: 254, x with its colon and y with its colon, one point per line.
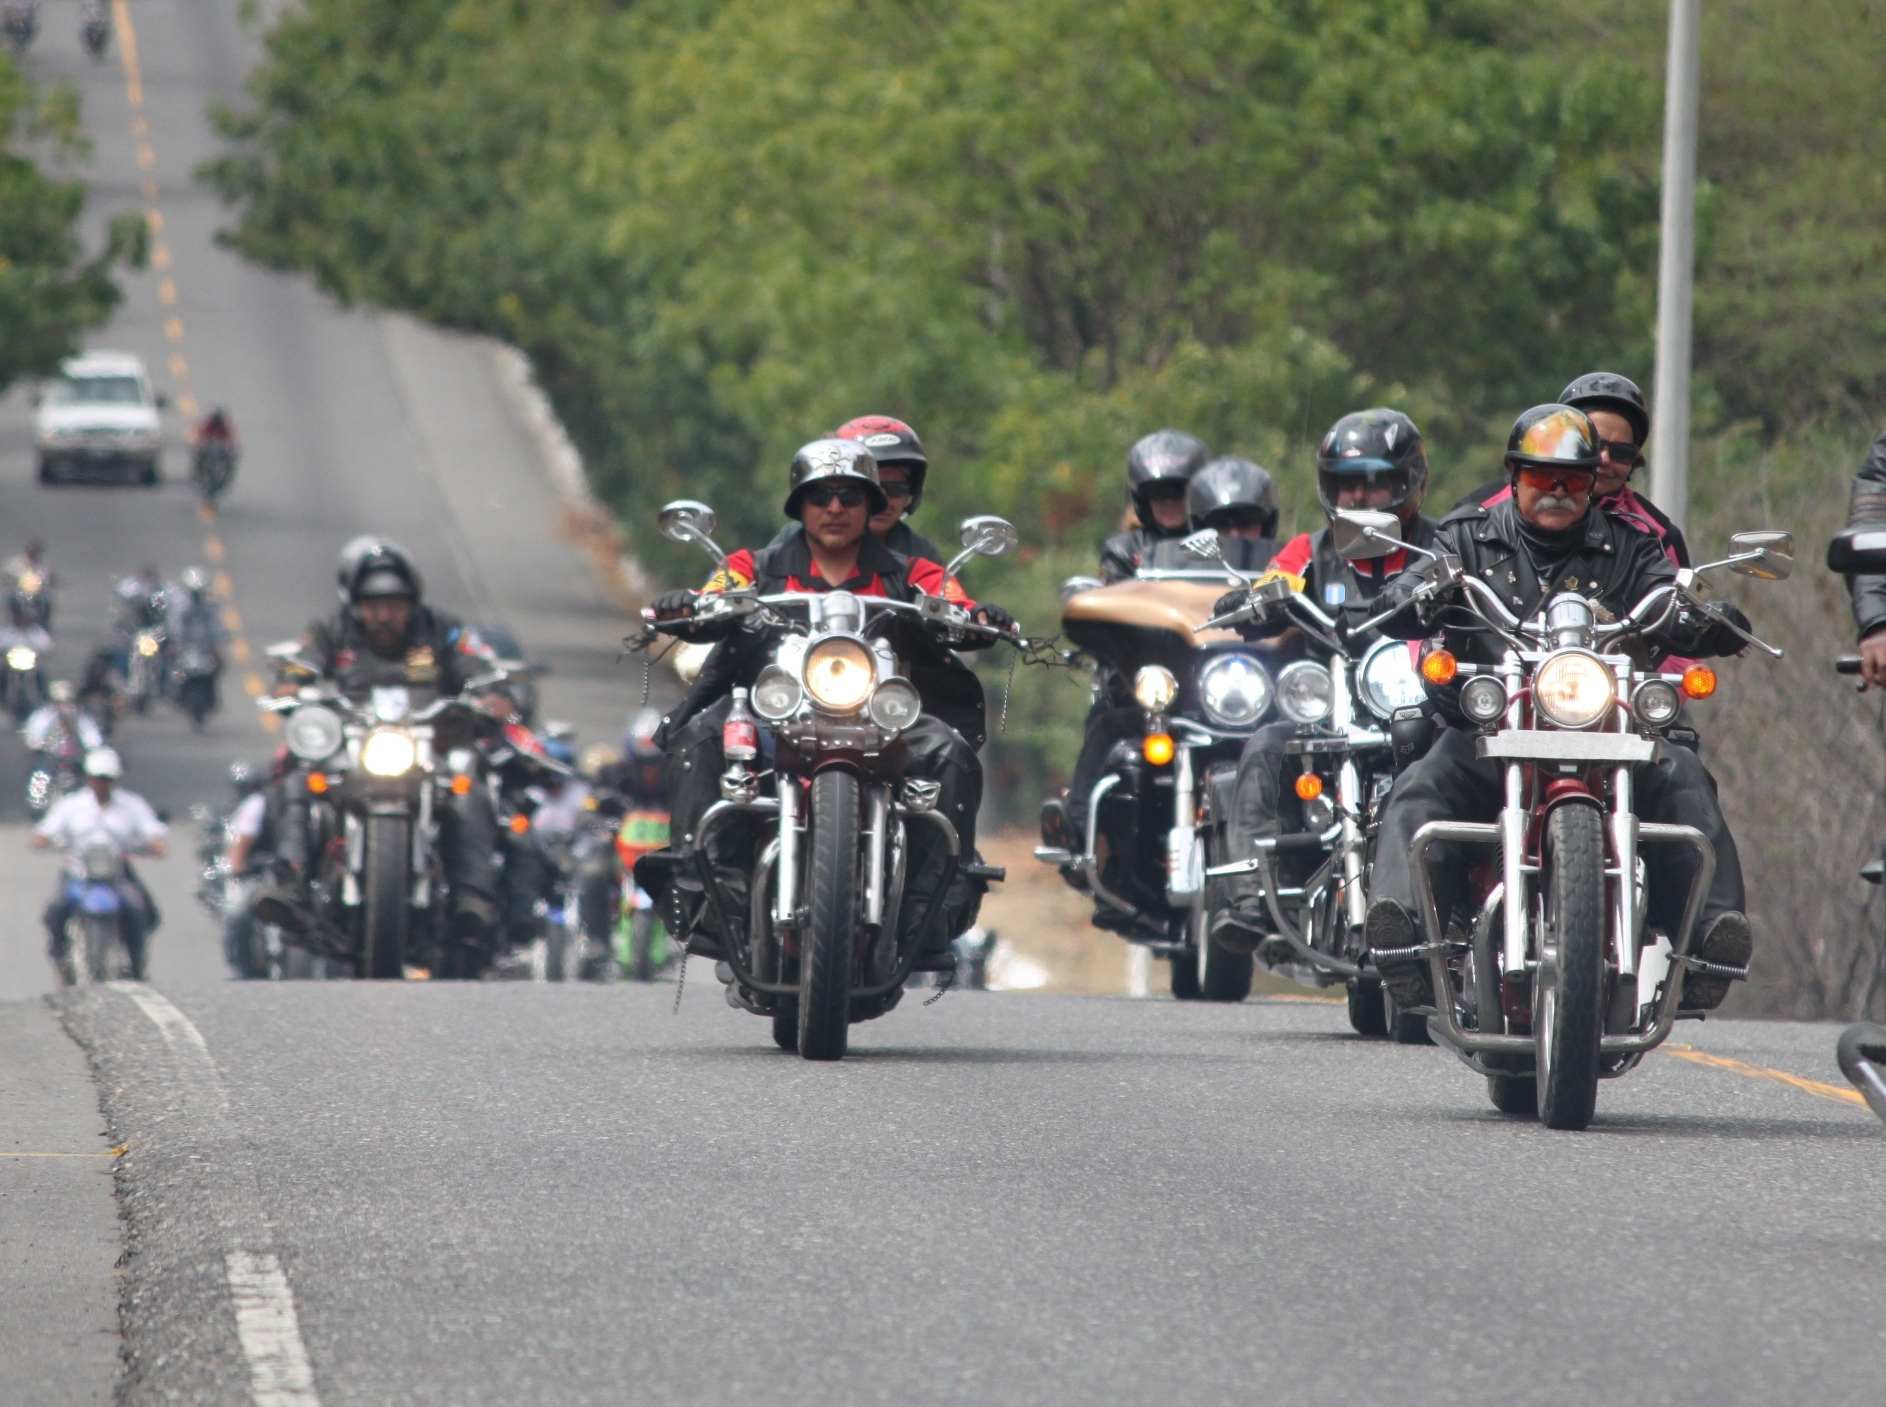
x: 1568, y: 994
x: 829, y: 943
x: 786, y: 1031
x: 1517, y: 1095
x: 1367, y: 1014
x: 383, y: 907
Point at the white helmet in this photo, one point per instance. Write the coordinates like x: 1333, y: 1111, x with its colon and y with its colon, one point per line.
x: 104, y: 762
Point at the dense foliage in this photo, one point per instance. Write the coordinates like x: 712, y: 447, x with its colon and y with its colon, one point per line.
x: 49, y: 291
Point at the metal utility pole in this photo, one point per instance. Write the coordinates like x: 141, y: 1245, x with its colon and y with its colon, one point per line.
x: 1676, y: 263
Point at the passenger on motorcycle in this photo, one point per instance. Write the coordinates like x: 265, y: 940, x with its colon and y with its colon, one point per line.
x: 384, y: 635
x: 1547, y: 538
x: 103, y: 809
x: 834, y: 492
x: 1373, y: 459
x: 196, y: 626
x: 1159, y: 468
x: 902, y: 467
x: 1236, y: 499
x: 60, y: 717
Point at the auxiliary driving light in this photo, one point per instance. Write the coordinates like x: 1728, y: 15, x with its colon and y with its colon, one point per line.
x: 1439, y: 667
x: 389, y: 753
x: 314, y: 734
x: 1304, y: 692
x: 1155, y: 688
x: 22, y: 658
x: 895, y: 705
x: 1656, y: 702
x: 1158, y: 748
x: 1483, y: 698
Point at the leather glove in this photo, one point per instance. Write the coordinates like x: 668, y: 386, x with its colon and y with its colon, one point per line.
x: 994, y: 615
x: 671, y: 605
x: 1229, y: 602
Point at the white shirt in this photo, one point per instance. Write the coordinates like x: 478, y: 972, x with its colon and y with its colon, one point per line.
x: 246, y: 820
x: 44, y: 726
x: 76, y: 819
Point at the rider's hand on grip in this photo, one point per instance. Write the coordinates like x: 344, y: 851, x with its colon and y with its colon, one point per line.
x: 1873, y: 659
x: 671, y: 605
x: 1229, y: 602
x: 988, y: 614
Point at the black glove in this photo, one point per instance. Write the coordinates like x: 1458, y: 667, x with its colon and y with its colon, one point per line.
x: 994, y: 615
x: 671, y: 605
x: 1229, y: 602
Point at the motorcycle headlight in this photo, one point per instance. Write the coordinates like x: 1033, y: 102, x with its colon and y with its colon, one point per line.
x: 1483, y: 698
x: 313, y: 733
x: 1656, y: 702
x: 1234, y: 691
x: 147, y: 644
x: 776, y: 694
x: 1573, y: 689
x: 1155, y: 688
x: 21, y: 657
x: 1389, y: 680
x: 839, y: 673
x: 1304, y: 694
x: 895, y: 705
x: 389, y: 752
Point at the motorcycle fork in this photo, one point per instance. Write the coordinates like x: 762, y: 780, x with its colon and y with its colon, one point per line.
x: 1515, y: 820
x: 1349, y: 803
x: 1624, y: 856
x: 354, y: 836
x: 877, y: 824
x: 786, y: 872
x: 1184, y: 877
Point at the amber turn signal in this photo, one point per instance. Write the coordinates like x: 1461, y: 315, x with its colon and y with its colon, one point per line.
x: 317, y: 782
x: 520, y: 824
x: 1439, y: 667
x: 1699, y: 681
x: 460, y: 784
x: 1309, y: 787
x: 1158, y: 748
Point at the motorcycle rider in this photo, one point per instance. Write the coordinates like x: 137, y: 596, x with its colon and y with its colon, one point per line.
x: 385, y: 635
x: 58, y: 717
x: 902, y: 467
x: 23, y: 629
x: 834, y: 491
x: 1236, y: 499
x: 1547, y: 538
x: 197, y: 625
x: 103, y: 808
x: 1868, y: 505
x: 29, y: 576
x: 1159, y: 467
x: 250, y: 843
x: 1373, y: 459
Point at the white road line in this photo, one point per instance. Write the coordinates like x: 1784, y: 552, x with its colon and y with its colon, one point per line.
x: 171, y: 1023
x: 279, y: 1373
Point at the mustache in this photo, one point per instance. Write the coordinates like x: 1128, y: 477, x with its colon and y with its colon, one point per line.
x: 1551, y: 501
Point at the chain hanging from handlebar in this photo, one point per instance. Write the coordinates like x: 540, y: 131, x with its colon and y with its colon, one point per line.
x: 949, y: 981
x: 1008, y: 687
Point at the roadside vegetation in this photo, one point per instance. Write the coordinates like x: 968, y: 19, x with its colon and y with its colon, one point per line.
x: 1039, y: 228
x: 51, y: 292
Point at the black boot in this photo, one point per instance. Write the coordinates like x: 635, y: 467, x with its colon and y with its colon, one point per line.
x: 1729, y: 943
x: 1393, y: 943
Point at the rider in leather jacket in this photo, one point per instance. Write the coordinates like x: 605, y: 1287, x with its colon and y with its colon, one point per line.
x: 1548, y: 538
x: 834, y: 491
x: 1369, y: 459
x: 384, y: 635
x: 1868, y: 505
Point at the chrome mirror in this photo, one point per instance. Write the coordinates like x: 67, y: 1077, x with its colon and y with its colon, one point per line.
x: 1203, y: 546
x: 984, y: 536
x: 1773, y: 554
x: 685, y: 520
x: 1361, y: 535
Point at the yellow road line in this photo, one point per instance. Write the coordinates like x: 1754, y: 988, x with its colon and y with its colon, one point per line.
x: 117, y: 1152
x: 1762, y: 1072
x: 128, y: 55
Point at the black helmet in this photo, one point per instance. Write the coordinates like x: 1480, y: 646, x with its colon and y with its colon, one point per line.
x: 377, y: 566
x: 834, y: 459
x: 891, y: 442
x: 1606, y: 390
x: 244, y: 776
x: 1553, y: 437
x: 1231, y: 485
x: 1169, y: 455
x: 1381, y: 446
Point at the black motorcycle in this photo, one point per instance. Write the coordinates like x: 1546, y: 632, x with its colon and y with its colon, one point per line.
x: 95, y: 27
x: 815, y: 929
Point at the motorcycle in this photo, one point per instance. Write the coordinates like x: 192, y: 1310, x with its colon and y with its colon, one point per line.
x: 641, y: 833
x: 373, y: 782
x: 95, y: 950
x: 196, y: 675
x: 55, y: 771
x: 1360, y: 719
x: 1561, y: 983
x: 1153, y: 816
x: 23, y: 680
x: 147, y: 667
x: 32, y: 595
x: 814, y: 932
x: 254, y: 949
x: 95, y: 27
x: 21, y: 21
x: 213, y: 469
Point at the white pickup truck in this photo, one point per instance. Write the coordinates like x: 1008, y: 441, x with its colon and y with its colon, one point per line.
x: 99, y: 420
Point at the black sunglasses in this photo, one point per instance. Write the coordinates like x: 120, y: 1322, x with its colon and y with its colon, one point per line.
x: 1621, y: 452
x: 1164, y: 489
x: 847, y: 496
x: 893, y: 489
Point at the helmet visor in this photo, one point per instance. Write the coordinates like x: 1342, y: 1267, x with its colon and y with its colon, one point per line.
x: 1364, y: 483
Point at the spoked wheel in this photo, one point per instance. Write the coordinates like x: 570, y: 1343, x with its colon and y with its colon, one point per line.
x: 1568, y: 994
x: 383, y: 911
x: 1367, y: 1014
x: 829, y: 944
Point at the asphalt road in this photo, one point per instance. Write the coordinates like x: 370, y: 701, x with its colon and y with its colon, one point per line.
x: 414, y: 1193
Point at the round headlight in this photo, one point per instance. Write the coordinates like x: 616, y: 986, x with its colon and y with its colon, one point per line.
x: 21, y: 657
x: 839, y: 673
x: 1304, y: 694
x: 1573, y: 689
x: 895, y: 705
x: 1483, y: 698
x: 1389, y: 679
x: 388, y: 752
x: 1656, y: 702
x: 1234, y: 691
x: 1155, y: 688
x: 313, y: 733
x: 776, y: 694
x: 147, y: 644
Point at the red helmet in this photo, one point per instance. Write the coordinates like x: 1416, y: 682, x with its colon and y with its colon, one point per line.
x: 890, y: 442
